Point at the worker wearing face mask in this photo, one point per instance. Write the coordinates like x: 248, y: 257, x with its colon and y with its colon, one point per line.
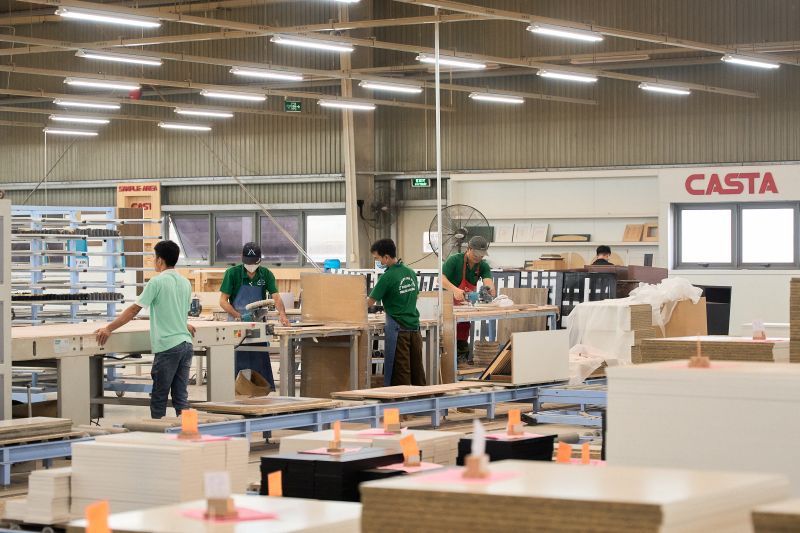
x: 242, y: 285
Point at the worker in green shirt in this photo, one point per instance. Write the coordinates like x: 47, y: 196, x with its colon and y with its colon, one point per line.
x: 461, y: 273
x: 242, y: 285
x: 397, y: 290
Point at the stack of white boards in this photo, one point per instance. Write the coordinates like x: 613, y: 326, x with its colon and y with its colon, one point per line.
x: 549, y: 497
x: 667, y: 414
x: 779, y: 517
x: 440, y: 447
x: 719, y: 347
x: 138, y: 470
x: 48, y: 500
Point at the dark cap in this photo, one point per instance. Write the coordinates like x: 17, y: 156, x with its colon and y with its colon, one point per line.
x: 251, y: 254
x: 479, y: 244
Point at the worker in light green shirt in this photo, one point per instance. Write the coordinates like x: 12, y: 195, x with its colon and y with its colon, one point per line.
x: 397, y: 290
x: 168, y: 297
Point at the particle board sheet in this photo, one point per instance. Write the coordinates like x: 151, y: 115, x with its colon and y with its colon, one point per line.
x: 687, y: 415
x: 717, y: 348
x: 267, y: 405
x: 536, y: 296
x: 778, y: 517
x: 406, y: 391
x: 540, y: 496
x: 48, y: 500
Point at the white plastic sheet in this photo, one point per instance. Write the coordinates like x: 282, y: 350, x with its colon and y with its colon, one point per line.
x: 583, y: 360
x: 664, y: 297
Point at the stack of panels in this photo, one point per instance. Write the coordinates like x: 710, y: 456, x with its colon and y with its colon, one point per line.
x: 717, y: 347
x: 539, y: 496
x: 687, y: 415
x: 780, y: 517
x: 615, y: 327
x: 35, y: 428
x: 48, y: 496
x: 136, y: 470
x: 794, y: 319
x: 484, y: 353
x: 324, y: 477
x: 539, y: 448
x: 16, y: 509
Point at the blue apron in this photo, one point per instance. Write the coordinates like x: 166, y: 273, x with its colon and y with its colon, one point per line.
x: 246, y: 358
x: 391, y: 331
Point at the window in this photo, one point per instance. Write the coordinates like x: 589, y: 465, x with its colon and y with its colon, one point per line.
x: 326, y: 237
x: 275, y: 247
x: 736, y: 236
x: 193, y: 235
x: 231, y: 232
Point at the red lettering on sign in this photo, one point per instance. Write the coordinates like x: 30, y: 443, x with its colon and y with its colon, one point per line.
x: 768, y: 184
x: 733, y: 183
x: 147, y: 206
x: 690, y: 180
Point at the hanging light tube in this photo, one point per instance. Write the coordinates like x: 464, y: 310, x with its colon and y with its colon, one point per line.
x: 102, y: 84
x: 202, y: 113
x: 498, y: 98
x: 149, y: 61
x: 750, y: 62
x: 266, y: 74
x: 109, y: 17
x: 315, y: 44
x: 231, y: 95
x: 451, y: 61
x: 183, y: 127
x: 348, y: 104
x: 61, y: 131
x: 569, y: 76
x: 391, y: 87
x: 79, y: 120
x: 565, y: 32
x: 608, y: 59
x: 112, y: 106
x: 666, y: 89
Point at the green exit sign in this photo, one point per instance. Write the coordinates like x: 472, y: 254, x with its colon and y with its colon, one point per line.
x: 421, y: 182
x: 291, y: 106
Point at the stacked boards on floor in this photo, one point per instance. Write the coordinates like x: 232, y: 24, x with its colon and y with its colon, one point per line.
x: 794, y: 319
x: 549, y: 497
x: 717, y: 347
x: 484, y: 352
x: 139, y: 470
x: 674, y: 406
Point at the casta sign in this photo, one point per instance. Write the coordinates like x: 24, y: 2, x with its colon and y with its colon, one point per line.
x: 731, y: 183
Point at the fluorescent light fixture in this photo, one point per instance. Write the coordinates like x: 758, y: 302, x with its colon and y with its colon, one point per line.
x: 347, y: 1
x: 565, y: 32
x: 347, y: 104
x: 203, y: 113
x: 499, y: 98
x: 750, y: 62
x: 231, y: 95
x: 608, y: 59
x: 451, y: 61
x: 149, y: 61
x: 667, y: 89
x: 102, y: 84
x: 93, y: 15
x: 184, y: 127
x: 316, y: 44
x: 78, y: 120
x: 266, y: 74
x: 569, y: 76
x: 77, y: 133
x: 391, y: 87
x: 113, y: 106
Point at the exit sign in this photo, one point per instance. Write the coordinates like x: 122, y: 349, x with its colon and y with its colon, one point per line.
x: 421, y: 182
x: 291, y: 106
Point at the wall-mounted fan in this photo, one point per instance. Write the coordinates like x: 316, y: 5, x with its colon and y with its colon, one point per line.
x: 459, y: 224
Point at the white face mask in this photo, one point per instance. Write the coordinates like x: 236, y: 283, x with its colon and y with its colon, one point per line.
x: 251, y: 268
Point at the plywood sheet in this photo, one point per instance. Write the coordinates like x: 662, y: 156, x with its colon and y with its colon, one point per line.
x: 522, y: 296
x: 406, y: 391
x: 267, y: 405
x: 33, y: 427
x: 334, y: 298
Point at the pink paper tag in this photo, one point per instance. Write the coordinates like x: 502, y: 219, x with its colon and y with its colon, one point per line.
x: 376, y: 432
x: 593, y: 462
x: 245, y: 515
x: 455, y: 475
x: 507, y: 437
x: 423, y: 466
x: 203, y: 438
x: 324, y: 451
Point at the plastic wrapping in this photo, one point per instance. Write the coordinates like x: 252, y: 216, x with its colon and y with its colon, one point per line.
x: 664, y: 297
x: 583, y: 360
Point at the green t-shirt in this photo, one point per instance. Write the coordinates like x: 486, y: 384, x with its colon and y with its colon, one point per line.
x: 397, y: 289
x: 236, y: 276
x: 168, y: 296
x: 454, y: 267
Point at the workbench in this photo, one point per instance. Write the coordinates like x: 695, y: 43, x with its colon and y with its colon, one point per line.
x: 73, y: 350
x: 291, y: 514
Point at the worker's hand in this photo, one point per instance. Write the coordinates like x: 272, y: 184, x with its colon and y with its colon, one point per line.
x: 236, y: 315
x: 191, y: 329
x: 101, y: 335
x: 285, y: 321
x: 493, y: 292
x: 458, y: 294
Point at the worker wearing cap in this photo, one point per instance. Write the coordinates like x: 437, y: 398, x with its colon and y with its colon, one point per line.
x: 397, y: 289
x: 242, y: 285
x: 461, y: 273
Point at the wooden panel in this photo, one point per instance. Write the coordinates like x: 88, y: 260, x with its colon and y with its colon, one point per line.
x: 147, y: 198
x: 522, y: 296
x: 334, y: 298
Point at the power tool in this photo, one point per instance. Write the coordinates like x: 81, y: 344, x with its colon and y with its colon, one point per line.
x: 483, y: 296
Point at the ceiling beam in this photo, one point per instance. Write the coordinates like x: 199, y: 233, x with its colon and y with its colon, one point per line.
x: 17, y: 124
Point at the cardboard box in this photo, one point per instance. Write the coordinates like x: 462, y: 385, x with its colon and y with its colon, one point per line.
x: 549, y: 264
x: 687, y: 319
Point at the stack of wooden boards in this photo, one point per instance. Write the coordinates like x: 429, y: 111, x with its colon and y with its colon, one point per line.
x: 138, y: 470
x: 794, y: 320
x: 401, y: 392
x: 539, y: 496
x: 48, y: 500
x: 21, y: 430
x: 484, y: 352
x: 440, y: 447
x: 162, y: 424
x: 674, y: 406
x: 779, y: 517
x: 717, y: 347
x: 266, y: 405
